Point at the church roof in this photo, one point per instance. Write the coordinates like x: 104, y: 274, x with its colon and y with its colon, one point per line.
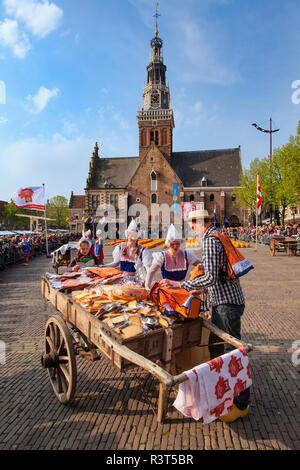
x: 117, y: 171
x: 220, y: 167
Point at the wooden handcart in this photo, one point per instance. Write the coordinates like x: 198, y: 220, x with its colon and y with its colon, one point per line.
x: 144, y: 351
x: 286, y: 243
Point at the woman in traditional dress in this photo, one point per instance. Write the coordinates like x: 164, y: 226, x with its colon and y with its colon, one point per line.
x: 25, y: 250
x: 173, y: 262
x: 128, y: 254
x: 85, y: 258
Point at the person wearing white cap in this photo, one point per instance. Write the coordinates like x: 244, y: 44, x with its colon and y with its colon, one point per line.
x: 173, y: 262
x: 127, y: 254
x: 98, y: 247
x: 85, y: 257
x: 88, y: 235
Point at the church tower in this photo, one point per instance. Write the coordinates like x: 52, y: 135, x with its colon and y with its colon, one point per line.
x: 155, y: 119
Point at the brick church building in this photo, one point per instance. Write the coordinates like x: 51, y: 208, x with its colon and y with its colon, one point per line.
x: 158, y: 175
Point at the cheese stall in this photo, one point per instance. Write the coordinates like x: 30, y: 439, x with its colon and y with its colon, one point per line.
x: 104, y: 312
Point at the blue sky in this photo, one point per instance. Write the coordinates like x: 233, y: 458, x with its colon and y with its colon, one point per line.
x: 74, y: 73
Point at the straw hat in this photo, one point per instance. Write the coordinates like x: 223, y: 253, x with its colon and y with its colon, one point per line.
x: 198, y: 214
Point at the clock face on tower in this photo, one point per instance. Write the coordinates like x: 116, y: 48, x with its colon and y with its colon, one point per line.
x: 155, y: 98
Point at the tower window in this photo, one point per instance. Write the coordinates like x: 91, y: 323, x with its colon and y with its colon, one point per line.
x: 156, y: 138
x: 192, y: 197
x: 153, y: 199
x: 151, y: 136
x: 153, y: 181
x: 212, y: 198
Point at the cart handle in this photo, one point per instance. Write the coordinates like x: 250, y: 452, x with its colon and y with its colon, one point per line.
x: 225, y: 336
x: 161, y: 374
x: 218, y: 332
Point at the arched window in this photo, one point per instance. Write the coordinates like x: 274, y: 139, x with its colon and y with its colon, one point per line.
x: 151, y: 136
x: 192, y: 197
x: 153, y: 199
x: 156, y: 138
x: 153, y: 181
x: 212, y: 198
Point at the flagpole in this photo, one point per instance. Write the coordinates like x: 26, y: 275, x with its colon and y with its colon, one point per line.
x: 256, y: 230
x: 256, y: 211
x: 45, y: 211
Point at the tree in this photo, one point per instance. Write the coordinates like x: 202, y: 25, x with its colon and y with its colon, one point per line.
x: 58, y: 209
x: 14, y: 222
x: 286, y: 174
x: 246, y: 193
x: 279, y: 179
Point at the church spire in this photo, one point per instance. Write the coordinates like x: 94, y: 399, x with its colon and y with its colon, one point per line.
x: 157, y: 15
x: 155, y: 119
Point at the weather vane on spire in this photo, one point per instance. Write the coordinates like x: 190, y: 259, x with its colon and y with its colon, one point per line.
x: 157, y: 15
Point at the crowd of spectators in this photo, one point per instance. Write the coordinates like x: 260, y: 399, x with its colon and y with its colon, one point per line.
x: 11, y: 248
x: 264, y: 232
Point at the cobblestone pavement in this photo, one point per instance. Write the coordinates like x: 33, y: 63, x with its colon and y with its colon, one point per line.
x: 110, y: 411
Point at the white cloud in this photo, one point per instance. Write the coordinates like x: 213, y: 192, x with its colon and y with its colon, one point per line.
x: 12, y: 37
x: 3, y: 120
x: 40, y: 17
x: 197, y: 106
x: 41, y: 99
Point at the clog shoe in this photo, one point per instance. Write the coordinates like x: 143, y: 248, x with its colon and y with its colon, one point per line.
x: 234, y: 414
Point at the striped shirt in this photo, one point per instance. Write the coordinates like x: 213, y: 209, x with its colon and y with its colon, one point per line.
x: 221, y: 290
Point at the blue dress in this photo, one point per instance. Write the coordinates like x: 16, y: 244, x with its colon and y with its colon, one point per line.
x: 128, y: 264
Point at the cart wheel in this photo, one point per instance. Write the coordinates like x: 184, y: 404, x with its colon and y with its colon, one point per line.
x: 59, y: 359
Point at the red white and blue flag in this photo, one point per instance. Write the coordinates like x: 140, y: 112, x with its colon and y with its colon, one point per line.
x: 259, y: 197
x: 30, y: 197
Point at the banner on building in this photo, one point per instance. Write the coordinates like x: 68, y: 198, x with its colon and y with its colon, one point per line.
x: 187, y: 207
x: 175, y: 199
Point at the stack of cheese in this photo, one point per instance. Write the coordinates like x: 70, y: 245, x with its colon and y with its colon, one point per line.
x: 154, y: 243
x: 240, y: 244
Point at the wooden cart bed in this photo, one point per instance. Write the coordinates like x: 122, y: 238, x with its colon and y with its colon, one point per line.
x: 144, y: 350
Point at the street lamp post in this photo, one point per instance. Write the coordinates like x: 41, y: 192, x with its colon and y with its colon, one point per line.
x: 268, y: 131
